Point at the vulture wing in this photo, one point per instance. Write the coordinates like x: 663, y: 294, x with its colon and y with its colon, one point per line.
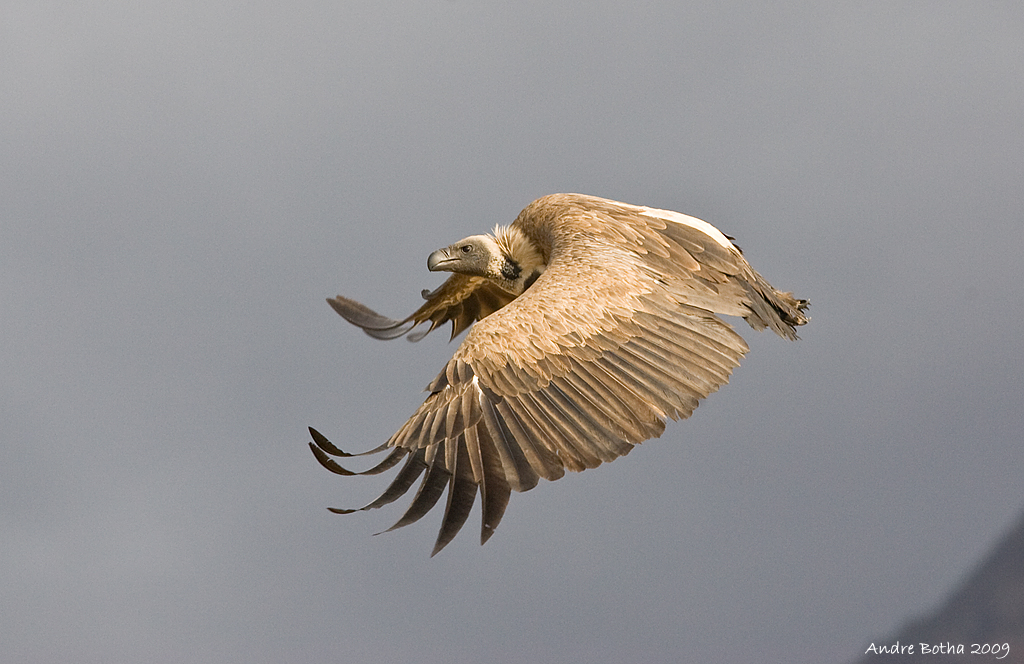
x: 618, y: 334
x: 461, y: 299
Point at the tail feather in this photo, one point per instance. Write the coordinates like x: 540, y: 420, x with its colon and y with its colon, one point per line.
x: 780, y: 311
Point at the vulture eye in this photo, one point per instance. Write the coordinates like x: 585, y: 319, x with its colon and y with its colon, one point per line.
x: 466, y: 248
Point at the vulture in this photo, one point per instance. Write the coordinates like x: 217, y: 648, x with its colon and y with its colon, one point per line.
x: 590, y: 323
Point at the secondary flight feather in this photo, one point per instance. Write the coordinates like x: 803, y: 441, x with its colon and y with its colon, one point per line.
x: 590, y: 323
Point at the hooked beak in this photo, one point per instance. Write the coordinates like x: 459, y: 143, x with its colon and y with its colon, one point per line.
x: 437, y: 260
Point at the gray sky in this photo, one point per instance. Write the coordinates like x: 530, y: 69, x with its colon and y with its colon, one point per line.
x: 184, y: 183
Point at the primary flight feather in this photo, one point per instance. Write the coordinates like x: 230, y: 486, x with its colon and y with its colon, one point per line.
x: 590, y: 322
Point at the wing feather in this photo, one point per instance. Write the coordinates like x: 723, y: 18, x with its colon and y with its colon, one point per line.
x: 519, y: 474
x: 596, y: 425
x: 461, y: 494
x: 329, y: 447
x: 677, y: 389
x: 461, y: 300
x: 490, y: 475
x: 637, y: 383
x: 403, y: 481
x: 535, y: 408
x: 389, y: 462
x: 598, y: 397
x: 690, y: 371
x: 590, y: 440
x: 428, y: 494
x: 571, y: 436
x: 527, y: 444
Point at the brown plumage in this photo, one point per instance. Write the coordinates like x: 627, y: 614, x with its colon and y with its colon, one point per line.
x: 592, y: 322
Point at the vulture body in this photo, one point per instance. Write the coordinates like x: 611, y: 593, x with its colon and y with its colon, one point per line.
x: 590, y: 322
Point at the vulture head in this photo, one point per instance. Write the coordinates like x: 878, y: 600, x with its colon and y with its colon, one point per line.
x: 505, y: 258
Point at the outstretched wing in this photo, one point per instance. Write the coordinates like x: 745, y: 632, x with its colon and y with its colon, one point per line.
x: 617, y: 335
x: 461, y: 299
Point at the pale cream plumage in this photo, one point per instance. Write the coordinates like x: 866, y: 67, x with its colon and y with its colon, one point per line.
x: 594, y: 322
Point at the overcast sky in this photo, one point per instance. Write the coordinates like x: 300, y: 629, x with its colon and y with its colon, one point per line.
x: 184, y: 183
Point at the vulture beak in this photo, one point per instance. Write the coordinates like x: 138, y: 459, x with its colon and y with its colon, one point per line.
x: 436, y: 261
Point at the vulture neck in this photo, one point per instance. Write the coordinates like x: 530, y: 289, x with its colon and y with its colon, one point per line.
x: 520, y: 263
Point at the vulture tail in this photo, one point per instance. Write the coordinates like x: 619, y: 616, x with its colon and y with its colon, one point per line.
x: 780, y: 311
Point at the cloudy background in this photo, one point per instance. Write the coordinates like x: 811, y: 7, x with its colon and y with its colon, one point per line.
x: 184, y: 183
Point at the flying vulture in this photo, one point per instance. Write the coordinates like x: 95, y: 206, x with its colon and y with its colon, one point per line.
x: 590, y: 322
